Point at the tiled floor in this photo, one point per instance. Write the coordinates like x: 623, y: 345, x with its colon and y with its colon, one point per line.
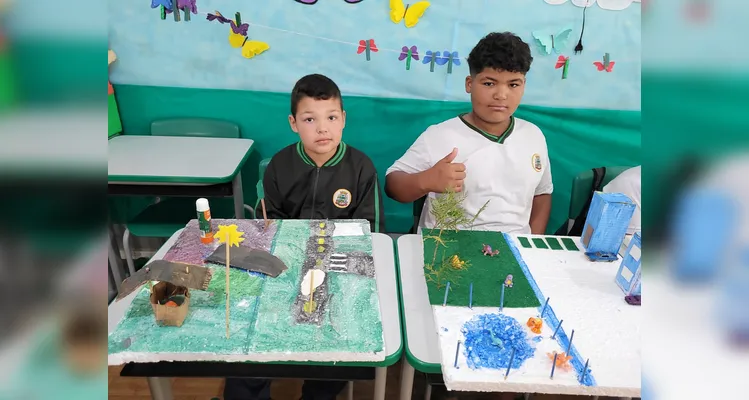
x: 124, y: 388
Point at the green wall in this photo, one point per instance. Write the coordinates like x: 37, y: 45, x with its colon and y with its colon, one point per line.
x: 384, y: 128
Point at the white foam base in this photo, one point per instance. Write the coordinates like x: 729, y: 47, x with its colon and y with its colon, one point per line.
x: 132, y: 357
x: 584, y: 295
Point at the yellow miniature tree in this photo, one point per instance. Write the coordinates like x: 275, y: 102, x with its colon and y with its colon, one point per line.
x: 230, y: 236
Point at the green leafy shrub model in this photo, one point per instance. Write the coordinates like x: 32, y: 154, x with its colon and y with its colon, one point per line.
x: 449, y: 215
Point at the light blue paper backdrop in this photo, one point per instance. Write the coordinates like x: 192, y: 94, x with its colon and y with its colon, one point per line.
x: 197, y: 54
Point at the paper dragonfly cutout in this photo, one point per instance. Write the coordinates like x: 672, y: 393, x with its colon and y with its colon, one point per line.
x: 563, y: 62
x: 239, y: 30
x: 448, y: 58
x: 167, y: 7
x: 408, y: 54
x: 311, y: 2
x: 410, y: 13
x: 607, y: 65
x: 550, y: 42
x: 367, y: 45
x: 238, y: 35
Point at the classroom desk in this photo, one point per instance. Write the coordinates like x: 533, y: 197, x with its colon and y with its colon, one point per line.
x: 144, y: 165
x: 421, y: 339
x: 158, y: 374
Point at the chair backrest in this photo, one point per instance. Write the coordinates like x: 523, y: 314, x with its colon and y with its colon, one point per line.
x: 201, y: 127
x: 581, y: 186
x: 417, y: 208
x: 261, y: 173
x: 262, y: 167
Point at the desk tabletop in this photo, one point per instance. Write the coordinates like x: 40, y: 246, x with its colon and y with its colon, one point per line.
x: 175, y: 159
x: 584, y: 293
x: 384, y: 260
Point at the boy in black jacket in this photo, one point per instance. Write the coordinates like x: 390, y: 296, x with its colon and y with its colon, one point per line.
x: 320, y: 177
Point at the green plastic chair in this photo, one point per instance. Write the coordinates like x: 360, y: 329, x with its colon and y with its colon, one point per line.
x: 581, y: 186
x: 261, y: 173
x: 166, y: 216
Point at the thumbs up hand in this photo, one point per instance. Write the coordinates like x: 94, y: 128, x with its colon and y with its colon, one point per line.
x: 446, y: 174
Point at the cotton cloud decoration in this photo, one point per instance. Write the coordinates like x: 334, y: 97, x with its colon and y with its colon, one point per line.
x: 613, y: 5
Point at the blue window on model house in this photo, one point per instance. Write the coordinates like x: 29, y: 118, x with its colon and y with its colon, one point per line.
x: 629, y: 277
x: 606, y: 225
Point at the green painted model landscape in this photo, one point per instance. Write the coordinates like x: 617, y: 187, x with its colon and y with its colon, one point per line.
x: 352, y: 321
x: 554, y: 243
x: 261, y: 310
x: 204, y: 329
x: 487, y: 273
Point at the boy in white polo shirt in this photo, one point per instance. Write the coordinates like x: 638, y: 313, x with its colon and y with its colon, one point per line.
x: 487, y: 153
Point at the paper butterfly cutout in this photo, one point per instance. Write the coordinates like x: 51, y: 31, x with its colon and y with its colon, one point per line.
x: 218, y: 17
x: 601, y: 67
x: 238, y: 36
x: 561, y: 61
x: 252, y: 48
x: 185, y: 5
x: 410, y: 13
x: 404, y: 53
x: 439, y: 60
x: 606, y: 65
x: 241, y: 29
x: 452, y: 57
x: 549, y: 41
x: 363, y: 46
x: 165, y: 3
x: 311, y: 2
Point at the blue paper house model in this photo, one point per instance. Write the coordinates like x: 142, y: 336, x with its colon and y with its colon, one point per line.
x: 606, y: 225
x: 629, y: 277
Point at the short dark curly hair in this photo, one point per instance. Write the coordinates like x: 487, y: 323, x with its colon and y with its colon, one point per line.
x: 501, y: 51
x: 317, y: 86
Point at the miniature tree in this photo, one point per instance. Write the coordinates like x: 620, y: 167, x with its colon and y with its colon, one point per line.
x: 449, y: 214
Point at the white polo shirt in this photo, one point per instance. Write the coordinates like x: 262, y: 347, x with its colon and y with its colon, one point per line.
x: 508, y: 170
x: 629, y: 183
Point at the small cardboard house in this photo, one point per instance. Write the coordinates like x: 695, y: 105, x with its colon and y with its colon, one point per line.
x: 629, y: 276
x: 170, y: 297
x: 606, y: 225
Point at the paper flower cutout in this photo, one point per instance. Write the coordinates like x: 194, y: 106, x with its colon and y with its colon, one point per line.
x: 229, y: 235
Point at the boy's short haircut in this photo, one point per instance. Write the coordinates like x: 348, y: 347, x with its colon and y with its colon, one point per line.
x: 501, y: 51
x: 317, y: 86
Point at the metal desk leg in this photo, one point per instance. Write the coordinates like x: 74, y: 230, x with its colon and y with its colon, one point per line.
x: 407, y: 380
x: 350, y: 390
x: 428, y: 391
x: 236, y: 187
x: 381, y: 375
x: 161, y: 388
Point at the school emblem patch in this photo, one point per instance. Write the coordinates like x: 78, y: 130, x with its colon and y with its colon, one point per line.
x: 342, y: 198
x: 536, y: 161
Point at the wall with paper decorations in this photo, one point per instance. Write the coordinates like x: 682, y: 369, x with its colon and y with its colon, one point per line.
x: 358, y: 44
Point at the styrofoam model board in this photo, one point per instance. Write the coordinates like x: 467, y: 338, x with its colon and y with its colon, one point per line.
x: 585, y: 296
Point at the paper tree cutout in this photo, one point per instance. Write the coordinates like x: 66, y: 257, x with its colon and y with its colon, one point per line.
x: 231, y: 237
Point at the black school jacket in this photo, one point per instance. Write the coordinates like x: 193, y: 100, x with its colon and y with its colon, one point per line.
x: 345, y: 187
